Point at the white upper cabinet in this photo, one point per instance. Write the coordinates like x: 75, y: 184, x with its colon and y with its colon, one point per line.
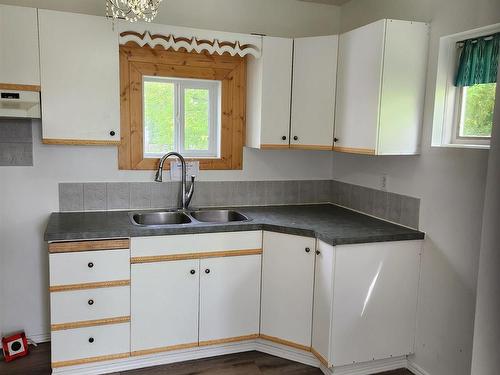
x: 79, y: 66
x: 287, y: 289
x: 268, y: 94
x: 19, y: 61
x: 313, y: 92
x: 381, y: 87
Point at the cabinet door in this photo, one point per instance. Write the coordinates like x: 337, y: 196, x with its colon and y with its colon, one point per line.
x: 323, y: 302
x: 164, y: 304
x: 276, y: 91
x: 358, y: 88
x: 80, y: 78
x: 19, y: 61
x: 313, y: 93
x: 374, y: 301
x: 287, y: 289
x: 229, y: 298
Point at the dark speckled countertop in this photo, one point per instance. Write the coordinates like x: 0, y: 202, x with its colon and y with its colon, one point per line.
x: 329, y: 223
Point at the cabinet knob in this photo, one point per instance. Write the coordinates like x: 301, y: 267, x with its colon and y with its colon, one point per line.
x: 318, y: 252
x: 90, y: 264
x: 295, y: 138
x: 91, y: 340
x: 112, y: 133
x: 284, y: 138
x: 207, y: 271
x: 91, y: 302
x: 335, y: 139
x: 192, y: 272
x: 308, y: 250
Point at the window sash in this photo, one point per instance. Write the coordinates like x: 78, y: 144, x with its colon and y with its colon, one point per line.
x: 214, y: 115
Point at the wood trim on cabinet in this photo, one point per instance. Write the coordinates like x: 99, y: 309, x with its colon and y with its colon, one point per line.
x: 102, y: 284
x: 90, y: 360
x: 90, y: 323
x: 16, y: 87
x: 274, y: 146
x: 164, y: 349
x: 137, y: 62
x: 200, y: 255
x: 311, y: 147
x: 320, y: 358
x: 228, y: 340
x: 67, y: 247
x: 81, y: 142
x: 353, y: 150
x: 285, y: 342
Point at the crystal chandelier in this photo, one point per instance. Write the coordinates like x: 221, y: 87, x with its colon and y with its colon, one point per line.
x: 133, y: 10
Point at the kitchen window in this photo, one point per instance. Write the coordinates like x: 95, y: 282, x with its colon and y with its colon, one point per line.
x: 189, y: 102
x: 466, y: 88
x: 181, y: 115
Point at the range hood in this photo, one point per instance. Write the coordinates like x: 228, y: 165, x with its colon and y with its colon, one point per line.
x: 15, y: 103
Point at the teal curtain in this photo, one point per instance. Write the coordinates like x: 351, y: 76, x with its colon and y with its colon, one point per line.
x: 478, y: 61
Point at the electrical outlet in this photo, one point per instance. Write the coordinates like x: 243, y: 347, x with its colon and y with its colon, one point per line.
x: 192, y: 169
x: 383, y: 182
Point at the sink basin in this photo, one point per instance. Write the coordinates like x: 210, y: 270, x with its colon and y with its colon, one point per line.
x: 159, y: 218
x: 218, y: 216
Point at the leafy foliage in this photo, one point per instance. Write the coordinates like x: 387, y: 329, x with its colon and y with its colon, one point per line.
x: 478, y: 114
x: 196, y: 119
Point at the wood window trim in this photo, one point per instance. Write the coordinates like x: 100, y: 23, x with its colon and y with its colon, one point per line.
x: 136, y: 61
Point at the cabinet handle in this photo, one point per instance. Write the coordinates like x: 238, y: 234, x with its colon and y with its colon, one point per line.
x: 91, y: 302
x: 284, y: 138
x: 90, y: 264
x: 192, y: 272
x: 91, y: 340
x: 318, y: 252
x: 308, y: 250
x: 295, y: 138
x: 207, y: 271
x: 112, y: 133
x: 335, y: 139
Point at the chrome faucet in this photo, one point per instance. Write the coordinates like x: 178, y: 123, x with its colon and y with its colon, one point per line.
x: 185, y: 195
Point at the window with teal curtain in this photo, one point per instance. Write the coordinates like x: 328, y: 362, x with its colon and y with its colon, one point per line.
x: 478, y: 61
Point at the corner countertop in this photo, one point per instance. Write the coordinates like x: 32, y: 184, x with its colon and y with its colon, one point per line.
x: 327, y: 222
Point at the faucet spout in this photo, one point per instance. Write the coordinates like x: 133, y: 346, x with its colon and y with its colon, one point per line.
x: 185, y: 196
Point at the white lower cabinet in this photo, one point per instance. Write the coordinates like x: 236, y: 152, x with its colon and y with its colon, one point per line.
x: 287, y: 288
x: 229, y: 297
x: 365, y: 301
x: 164, y: 304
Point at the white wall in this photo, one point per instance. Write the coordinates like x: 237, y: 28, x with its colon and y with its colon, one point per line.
x: 451, y: 184
x: 485, y: 359
x: 29, y: 194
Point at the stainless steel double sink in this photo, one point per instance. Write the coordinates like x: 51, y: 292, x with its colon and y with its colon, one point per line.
x: 174, y: 217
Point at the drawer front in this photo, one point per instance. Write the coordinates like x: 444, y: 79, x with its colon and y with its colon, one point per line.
x: 195, y: 243
x: 74, y: 344
x: 89, y: 304
x: 89, y: 267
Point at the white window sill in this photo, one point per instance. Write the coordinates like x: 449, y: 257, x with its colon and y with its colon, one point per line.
x: 459, y: 145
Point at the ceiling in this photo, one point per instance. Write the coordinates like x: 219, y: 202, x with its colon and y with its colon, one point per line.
x: 330, y: 2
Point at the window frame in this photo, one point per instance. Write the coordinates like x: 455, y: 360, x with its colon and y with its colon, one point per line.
x: 447, y: 96
x: 137, y: 61
x: 180, y: 86
x: 459, y: 108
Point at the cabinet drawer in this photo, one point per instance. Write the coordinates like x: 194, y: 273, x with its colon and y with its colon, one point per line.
x: 89, y: 267
x: 74, y: 346
x: 89, y: 304
x: 195, y: 243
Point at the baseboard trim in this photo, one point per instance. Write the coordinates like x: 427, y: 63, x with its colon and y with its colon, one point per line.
x: 40, y: 338
x: 367, y: 368
x: 416, y: 369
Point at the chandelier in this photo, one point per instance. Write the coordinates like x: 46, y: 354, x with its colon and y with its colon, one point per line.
x: 133, y: 10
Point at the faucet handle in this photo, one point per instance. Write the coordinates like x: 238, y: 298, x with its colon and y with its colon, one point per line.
x: 192, y: 178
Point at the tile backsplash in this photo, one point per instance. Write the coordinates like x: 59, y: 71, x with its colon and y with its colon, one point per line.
x: 16, y: 142
x: 143, y: 195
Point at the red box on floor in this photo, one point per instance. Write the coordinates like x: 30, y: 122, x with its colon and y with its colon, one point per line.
x: 14, y: 346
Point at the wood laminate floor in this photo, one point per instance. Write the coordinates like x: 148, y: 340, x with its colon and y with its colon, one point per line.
x: 248, y: 363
